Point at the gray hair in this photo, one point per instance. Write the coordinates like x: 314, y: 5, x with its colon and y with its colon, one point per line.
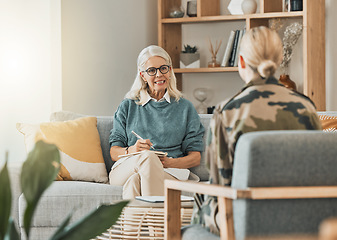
x: 262, y: 50
x: 139, y: 87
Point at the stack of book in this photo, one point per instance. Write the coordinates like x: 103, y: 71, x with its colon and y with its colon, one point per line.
x: 231, y: 56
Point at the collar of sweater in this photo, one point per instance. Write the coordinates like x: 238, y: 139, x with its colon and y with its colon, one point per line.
x: 149, y: 98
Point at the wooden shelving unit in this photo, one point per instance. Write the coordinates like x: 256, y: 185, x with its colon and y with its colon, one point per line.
x: 205, y: 70
x: 312, y: 16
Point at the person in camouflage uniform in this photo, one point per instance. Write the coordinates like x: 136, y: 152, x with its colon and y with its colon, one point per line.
x: 263, y: 104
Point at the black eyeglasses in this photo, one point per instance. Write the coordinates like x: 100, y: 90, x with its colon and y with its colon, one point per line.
x: 152, y: 71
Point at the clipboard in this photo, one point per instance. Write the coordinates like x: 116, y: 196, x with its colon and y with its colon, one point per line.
x: 158, y: 153
x: 124, y: 157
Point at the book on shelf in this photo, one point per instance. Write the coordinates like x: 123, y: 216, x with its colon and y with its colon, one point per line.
x: 234, y: 49
x: 242, y: 31
x: 228, y: 50
x: 231, y: 55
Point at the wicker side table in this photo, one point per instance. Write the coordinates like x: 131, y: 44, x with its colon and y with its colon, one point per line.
x: 144, y: 220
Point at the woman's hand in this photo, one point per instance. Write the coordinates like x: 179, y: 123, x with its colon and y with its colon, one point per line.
x: 191, y: 160
x: 140, y: 145
x: 167, y: 162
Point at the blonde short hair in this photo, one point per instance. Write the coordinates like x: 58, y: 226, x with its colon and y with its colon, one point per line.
x: 139, y: 87
x: 262, y: 50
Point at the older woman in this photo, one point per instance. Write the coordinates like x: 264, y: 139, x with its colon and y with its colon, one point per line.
x: 263, y: 104
x: 162, y: 119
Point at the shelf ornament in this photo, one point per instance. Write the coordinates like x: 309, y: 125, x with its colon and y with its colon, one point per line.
x: 291, y: 35
x: 189, y: 57
x: 214, y: 51
x: 234, y: 7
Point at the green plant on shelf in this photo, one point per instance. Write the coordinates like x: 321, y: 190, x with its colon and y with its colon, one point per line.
x: 37, y: 174
x: 189, y: 49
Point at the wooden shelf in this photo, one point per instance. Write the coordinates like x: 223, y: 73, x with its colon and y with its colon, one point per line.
x: 208, y: 11
x: 233, y: 17
x: 205, y: 70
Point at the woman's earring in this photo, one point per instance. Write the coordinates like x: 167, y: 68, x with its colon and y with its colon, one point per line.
x: 242, y: 62
x: 141, y: 76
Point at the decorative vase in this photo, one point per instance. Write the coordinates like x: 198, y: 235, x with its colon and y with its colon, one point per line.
x: 248, y: 6
x: 177, y: 12
x: 287, y: 82
x: 213, y: 63
x: 189, y: 60
x: 191, y: 8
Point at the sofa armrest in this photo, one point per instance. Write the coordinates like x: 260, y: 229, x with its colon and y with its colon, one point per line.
x: 14, y: 169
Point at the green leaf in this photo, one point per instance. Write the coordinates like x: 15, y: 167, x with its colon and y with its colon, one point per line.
x: 93, y: 224
x: 61, y: 229
x: 38, y: 172
x: 12, y: 233
x: 5, y: 200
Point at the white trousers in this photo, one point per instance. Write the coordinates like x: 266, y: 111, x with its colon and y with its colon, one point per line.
x: 140, y: 175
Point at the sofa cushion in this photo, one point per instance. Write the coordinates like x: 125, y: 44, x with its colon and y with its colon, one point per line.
x: 104, y: 126
x: 65, y: 197
x: 79, y: 145
x: 202, y: 170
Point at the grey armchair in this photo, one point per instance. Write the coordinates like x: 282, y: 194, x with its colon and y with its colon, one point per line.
x: 284, y: 184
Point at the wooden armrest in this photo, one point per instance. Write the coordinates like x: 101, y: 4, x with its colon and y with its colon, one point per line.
x: 225, y: 196
x: 209, y: 189
x: 172, y: 206
x: 255, y: 192
x: 292, y: 192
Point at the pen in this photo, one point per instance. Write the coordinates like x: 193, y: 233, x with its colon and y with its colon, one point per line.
x: 139, y: 137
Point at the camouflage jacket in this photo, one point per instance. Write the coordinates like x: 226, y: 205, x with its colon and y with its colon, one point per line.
x: 263, y: 104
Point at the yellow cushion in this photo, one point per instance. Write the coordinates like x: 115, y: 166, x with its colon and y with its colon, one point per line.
x: 329, y: 123
x: 79, y: 145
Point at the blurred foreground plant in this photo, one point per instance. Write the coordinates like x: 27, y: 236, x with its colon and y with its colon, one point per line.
x: 37, y: 174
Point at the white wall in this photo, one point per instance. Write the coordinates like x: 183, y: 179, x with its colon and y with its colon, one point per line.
x: 100, y: 44
x: 25, y: 69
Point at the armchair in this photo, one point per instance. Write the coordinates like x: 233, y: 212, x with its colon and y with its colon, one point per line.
x: 284, y: 183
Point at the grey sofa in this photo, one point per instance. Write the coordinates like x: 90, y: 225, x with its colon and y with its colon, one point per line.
x: 65, y: 196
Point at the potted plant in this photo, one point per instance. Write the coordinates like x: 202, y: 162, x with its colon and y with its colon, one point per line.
x: 189, y: 57
x: 38, y: 172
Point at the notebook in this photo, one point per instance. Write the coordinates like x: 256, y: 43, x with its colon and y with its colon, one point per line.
x: 124, y: 157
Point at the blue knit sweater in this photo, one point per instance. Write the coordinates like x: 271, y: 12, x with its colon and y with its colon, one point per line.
x: 173, y: 127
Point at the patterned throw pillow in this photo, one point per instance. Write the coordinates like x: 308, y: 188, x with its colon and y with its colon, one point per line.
x: 329, y: 123
x: 79, y: 144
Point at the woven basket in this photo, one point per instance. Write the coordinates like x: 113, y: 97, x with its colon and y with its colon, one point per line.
x: 142, y: 223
